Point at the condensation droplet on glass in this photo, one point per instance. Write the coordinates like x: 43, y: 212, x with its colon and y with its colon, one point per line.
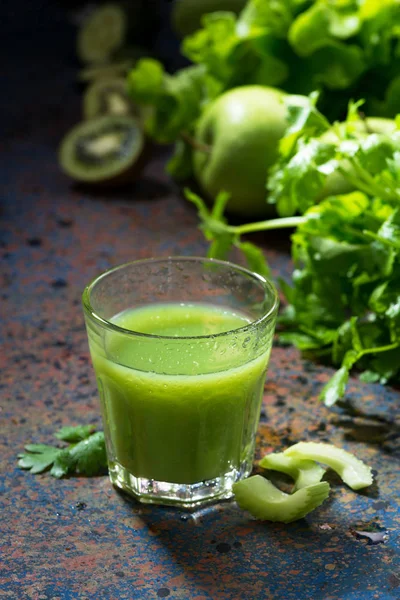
x: 246, y: 342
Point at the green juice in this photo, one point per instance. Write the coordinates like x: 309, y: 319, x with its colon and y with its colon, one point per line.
x: 168, y: 415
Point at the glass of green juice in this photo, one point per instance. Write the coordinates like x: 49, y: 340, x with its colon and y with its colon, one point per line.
x: 180, y: 347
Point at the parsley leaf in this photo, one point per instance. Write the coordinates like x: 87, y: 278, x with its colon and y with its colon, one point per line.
x: 38, y: 458
x: 89, y: 455
x: 74, y: 434
x: 63, y: 464
x: 346, y: 49
x: 86, y: 457
x: 343, y: 302
x: 176, y: 100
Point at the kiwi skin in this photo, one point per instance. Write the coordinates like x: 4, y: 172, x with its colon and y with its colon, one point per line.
x: 129, y: 172
x: 126, y: 177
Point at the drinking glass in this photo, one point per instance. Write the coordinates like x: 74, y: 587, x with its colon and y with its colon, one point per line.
x: 180, y: 411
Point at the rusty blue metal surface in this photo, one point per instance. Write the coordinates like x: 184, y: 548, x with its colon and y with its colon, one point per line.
x: 79, y: 538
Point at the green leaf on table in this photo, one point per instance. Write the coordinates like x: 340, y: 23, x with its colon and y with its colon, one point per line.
x: 63, y: 464
x: 38, y: 458
x: 89, y: 455
x: 85, y: 457
x: 335, y: 387
x: 74, y: 434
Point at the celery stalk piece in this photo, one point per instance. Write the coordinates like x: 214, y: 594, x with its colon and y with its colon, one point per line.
x: 353, y: 471
x: 264, y: 501
x: 304, y: 472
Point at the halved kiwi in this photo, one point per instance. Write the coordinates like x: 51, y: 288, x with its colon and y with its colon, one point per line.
x: 103, y: 33
x: 108, y: 97
x: 105, y: 151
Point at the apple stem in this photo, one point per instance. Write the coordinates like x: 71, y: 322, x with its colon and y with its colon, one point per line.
x: 196, y: 145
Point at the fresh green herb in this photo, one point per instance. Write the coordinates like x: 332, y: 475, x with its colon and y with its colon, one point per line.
x: 344, y: 49
x: 63, y: 464
x: 224, y: 236
x: 343, y: 304
x: 176, y: 99
x: 39, y: 458
x: 89, y: 455
x: 74, y: 434
x: 85, y: 457
x: 318, y: 159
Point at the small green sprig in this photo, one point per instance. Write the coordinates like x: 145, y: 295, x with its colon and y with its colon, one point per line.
x: 85, y: 454
x: 223, y: 237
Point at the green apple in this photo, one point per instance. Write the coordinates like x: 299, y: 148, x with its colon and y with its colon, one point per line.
x: 242, y: 129
x: 337, y: 184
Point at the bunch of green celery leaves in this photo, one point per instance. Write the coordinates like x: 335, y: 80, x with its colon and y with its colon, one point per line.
x: 344, y: 301
x: 343, y: 48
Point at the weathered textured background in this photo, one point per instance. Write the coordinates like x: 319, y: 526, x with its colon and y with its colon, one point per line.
x: 79, y: 538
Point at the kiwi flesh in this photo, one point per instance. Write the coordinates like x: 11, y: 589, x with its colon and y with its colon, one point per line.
x: 108, y: 97
x: 103, y: 151
x: 102, y: 34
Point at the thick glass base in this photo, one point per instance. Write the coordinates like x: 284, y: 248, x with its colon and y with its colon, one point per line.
x: 182, y: 495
